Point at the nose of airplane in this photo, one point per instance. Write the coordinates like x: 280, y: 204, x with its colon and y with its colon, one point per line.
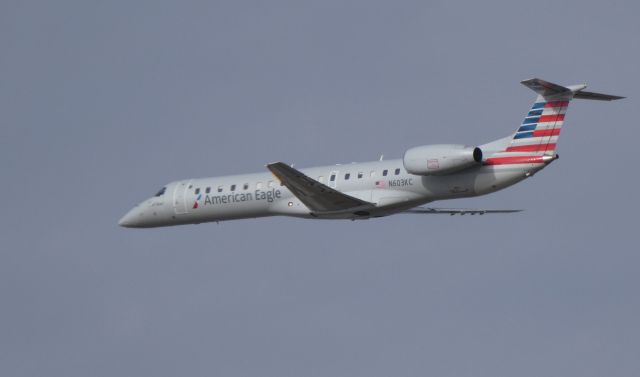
x: 131, y: 219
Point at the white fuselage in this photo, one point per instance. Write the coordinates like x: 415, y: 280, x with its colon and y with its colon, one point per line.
x: 373, y: 189
x: 384, y: 183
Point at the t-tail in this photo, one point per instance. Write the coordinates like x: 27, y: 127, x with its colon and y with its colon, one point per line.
x: 536, y: 139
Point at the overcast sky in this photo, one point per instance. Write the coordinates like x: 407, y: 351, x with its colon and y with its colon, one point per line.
x: 102, y: 103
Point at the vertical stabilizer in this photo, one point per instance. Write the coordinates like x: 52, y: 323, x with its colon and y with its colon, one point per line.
x: 541, y: 127
x: 536, y: 139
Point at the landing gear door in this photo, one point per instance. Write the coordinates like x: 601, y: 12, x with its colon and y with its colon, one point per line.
x: 180, y: 197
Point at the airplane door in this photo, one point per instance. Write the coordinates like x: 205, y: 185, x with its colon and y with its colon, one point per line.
x: 179, y: 197
x: 333, y: 179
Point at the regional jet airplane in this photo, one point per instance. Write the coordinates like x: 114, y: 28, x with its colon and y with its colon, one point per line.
x: 374, y: 189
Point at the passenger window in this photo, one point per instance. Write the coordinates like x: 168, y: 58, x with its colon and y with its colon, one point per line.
x: 208, y: 190
x: 219, y: 188
x: 332, y: 178
x: 397, y: 171
x: 346, y: 176
x: 246, y: 186
x: 360, y: 175
x: 259, y: 185
x: 233, y: 187
x: 197, y: 190
x: 384, y: 172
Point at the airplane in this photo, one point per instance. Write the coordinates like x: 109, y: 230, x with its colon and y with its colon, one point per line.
x: 374, y: 189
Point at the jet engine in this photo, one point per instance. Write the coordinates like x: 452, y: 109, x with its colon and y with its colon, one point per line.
x: 440, y: 159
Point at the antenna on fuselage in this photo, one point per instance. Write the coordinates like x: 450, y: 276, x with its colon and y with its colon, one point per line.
x: 382, y: 157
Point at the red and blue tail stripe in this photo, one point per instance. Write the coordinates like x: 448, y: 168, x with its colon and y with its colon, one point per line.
x: 536, y: 137
x: 535, y: 140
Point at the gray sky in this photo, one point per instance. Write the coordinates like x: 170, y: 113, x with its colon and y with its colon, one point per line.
x: 102, y: 103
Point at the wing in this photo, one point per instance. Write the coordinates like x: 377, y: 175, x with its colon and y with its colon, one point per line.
x: 317, y: 197
x: 458, y: 211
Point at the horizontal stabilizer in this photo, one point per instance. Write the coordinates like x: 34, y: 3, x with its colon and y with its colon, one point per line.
x: 549, y: 89
x: 458, y: 211
x: 596, y: 96
x: 545, y: 88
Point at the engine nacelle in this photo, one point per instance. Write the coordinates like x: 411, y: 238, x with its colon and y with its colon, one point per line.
x: 440, y: 159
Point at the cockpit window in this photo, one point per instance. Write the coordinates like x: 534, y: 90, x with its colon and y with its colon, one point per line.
x: 161, y: 192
